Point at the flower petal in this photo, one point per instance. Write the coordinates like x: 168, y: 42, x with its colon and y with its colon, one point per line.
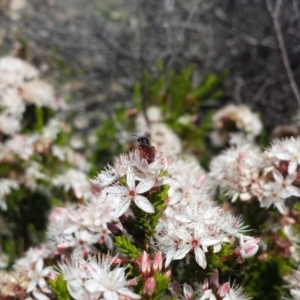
x: 110, y: 295
x: 127, y: 292
x: 71, y: 229
x: 283, y: 156
x: 92, y: 286
x: 40, y: 296
x: 292, y: 167
x: 169, y: 256
x: 144, y: 204
x: 290, y: 178
x: 76, y: 290
x: 293, y: 191
x: 39, y: 265
x: 182, y: 251
x: 122, y: 207
x: 116, y: 190
x: 281, y: 207
x: 42, y: 282
x: 145, y: 186
x: 200, y: 257
x: 278, y: 176
x: 32, y: 284
x: 130, y: 179
x: 210, y: 241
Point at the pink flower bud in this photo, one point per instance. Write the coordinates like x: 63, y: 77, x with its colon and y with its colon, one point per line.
x: 145, y: 264
x: 215, y: 279
x: 168, y: 274
x: 263, y: 256
x: 187, y: 291
x: 288, y: 220
x: 132, y: 282
x: 149, y: 287
x: 52, y: 275
x: 205, y: 284
x: 158, y: 262
x: 224, y: 288
x: 247, y: 249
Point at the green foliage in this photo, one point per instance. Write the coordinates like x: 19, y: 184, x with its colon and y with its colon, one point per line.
x: 27, y: 228
x: 180, y: 100
x: 265, y: 278
x: 59, y: 288
x: 264, y: 140
x: 297, y: 207
x: 158, y: 200
x: 127, y: 247
x: 35, y: 118
x: 176, y: 93
x: 161, y: 286
x: 221, y: 260
x: 144, y: 223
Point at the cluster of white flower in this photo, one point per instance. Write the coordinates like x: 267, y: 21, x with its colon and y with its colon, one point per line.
x: 76, y: 229
x: 235, y: 124
x: 237, y: 171
x: 271, y: 176
x: 211, y: 289
x: 96, y: 279
x: 25, y: 148
x: 19, y: 85
x: 27, y: 277
x: 149, y: 175
x: 192, y: 222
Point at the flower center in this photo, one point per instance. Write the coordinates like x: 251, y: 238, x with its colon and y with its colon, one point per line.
x: 131, y: 193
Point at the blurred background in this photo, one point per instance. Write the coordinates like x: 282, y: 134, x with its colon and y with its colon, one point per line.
x: 94, y: 51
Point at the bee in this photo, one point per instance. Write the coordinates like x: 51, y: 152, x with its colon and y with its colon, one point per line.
x: 147, y: 151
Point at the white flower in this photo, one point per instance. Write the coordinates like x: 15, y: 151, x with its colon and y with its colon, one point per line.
x: 232, y: 118
x: 13, y: 70
x: 73, y: 272
x: 276, y: 192
x: 33, y: 174
x: 247, y: 249
x: 198, y: 242
x: 286, y: 187
x: 77, y: 181
x: 106, y: 177
x: 110, y: 283
x: 236, y: 293
x: 37, y: 274
x: 286, y: 150
x: 96, y: 279
x: 237, y: 171
x: 40, y: 93
x: 131, y: 193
